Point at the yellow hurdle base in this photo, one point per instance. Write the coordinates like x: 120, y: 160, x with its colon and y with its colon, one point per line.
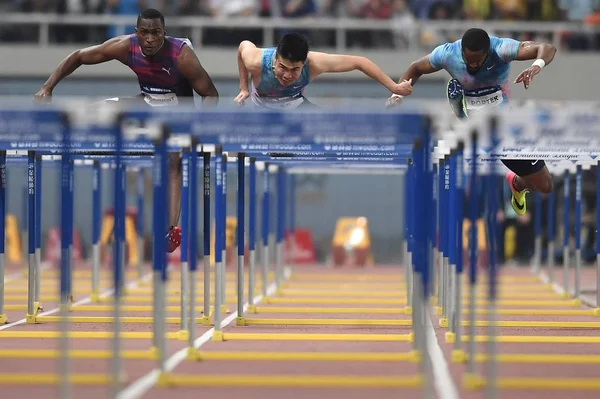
x: 314, y: 337
x: 291, y: 381
x: 110, y: 319
x: 528, y: 339
x: 76, y: 354
x: 326, y: 322
x: 413, y: 356
x: 474, y: 382
x: 312, y: 310
x: 82, y: 335
x: 531, y: 324
x: 460, y: 356
x: 54, y: 379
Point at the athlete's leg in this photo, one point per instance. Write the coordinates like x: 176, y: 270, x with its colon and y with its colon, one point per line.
x: 525, y: 176
x: 175, y: 176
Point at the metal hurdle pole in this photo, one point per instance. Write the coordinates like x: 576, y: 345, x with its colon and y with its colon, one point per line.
x: 25, y: 223
x: 252, y: 233
x: 218, y: 226
x: 409, y: 214
x: 38, y: 229
x: 460, y: 202
x: 118, y: 260
x: 292, y: 225
x: 160, y: 207
x: 440, y: 222
x: 451, y: 313
x: 141, y: 180
x: 265, y: 229
x: 206, y: 228
x: 241, y: 172
x: 492, y: 372
x: 71, y: 226
x: 185, y: 218
x: 598, y: 238
x: 280, y: 234
x: 444, y: 239
x: 551, y: 237
x: 472, y: 253
x: 223, y: 275
x: 434, y: 249
x: 96, y: 221
x: 193, y: 243
x: 577, y: 287
x: 31, y: 278
x: 537, y: 222
x: 566, y: 235
x: 2, y: 232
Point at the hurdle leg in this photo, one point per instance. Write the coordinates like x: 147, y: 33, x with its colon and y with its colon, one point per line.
x: 460, y: 201
x: 38, y: 231
x: 141, y: 178
x: 252, y: 234
x: 31, y: 277
x: 281, y: 175
x: 241, y: 163
x: 185, y: 222
x: 265, y: 231
x: 551, y: 237
x: 193, y: 246
x: 537, y: 255
x: 566, y: 235
x: 206, y: 227
x: 597, y: 240
x: 473, y: 200
x: 223, y: 274
x: 219, y: 217
x: 292, y: 226
x: 96, y: 217
x: 2, y: 232
x: 577, y: 287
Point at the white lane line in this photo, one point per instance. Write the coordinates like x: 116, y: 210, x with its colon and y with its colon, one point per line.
x: 444, y: 384
x: 585, y: 299
x: 142, y: 385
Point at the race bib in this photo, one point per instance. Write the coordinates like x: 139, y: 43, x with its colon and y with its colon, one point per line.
x: 161, y: 100
x: 489, y: 97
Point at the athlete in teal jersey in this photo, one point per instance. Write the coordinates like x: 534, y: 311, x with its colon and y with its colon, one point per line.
x: 280, y: 74
x: 479, y: 66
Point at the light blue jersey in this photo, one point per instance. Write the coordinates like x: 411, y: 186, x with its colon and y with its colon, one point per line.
x: 490, y: 85
x: 272, y: 94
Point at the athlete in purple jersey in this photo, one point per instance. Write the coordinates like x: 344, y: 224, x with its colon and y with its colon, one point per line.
x: 167, y: 70
x: 280, y: 74
x: 479, y: 66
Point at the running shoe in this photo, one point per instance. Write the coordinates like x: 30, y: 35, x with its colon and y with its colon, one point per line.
x: 517, y: 199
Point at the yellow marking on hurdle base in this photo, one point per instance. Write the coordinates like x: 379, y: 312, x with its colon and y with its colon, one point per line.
x: 291, y: 293
x: 460, y: 356
x: 533, y: 324
x: 131, y: 308
x: 326, y: 322
x: 530, y: 339
x: 292, y: 381
x: 412, y: 356
x: 315, y: 337
x: 75, y: 354
x: 474, y: 382
x: 54, y: 379
x: 285, y: 309
x: 82, y: 334
x: 109, y: 319
x: 402, y: 301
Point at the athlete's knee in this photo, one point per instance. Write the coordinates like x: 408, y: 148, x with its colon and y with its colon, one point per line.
x: 546, y: 186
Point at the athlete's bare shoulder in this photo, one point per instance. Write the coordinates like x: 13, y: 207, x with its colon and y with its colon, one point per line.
x: 250, y: 55
x: 116, y: 48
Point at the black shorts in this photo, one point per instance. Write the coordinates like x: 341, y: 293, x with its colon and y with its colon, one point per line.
x: 523, y: 167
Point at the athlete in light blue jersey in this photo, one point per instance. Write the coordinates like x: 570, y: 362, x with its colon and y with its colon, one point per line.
x: 479, y: 65
x: 280, y: 74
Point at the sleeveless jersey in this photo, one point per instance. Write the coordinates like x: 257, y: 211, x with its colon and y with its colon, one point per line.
x: 159, y: 79
x: 489, y: 87
x: 270, y: 93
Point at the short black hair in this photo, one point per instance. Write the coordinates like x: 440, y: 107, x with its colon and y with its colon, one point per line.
x: 476, y: 39
x: 293, y: 47
x: 151, y: 13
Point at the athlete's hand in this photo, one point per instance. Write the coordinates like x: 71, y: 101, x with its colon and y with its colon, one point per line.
x: 43, y: 96
x: 403, y: 89
x: 241, y: 98
x: 527, y: 75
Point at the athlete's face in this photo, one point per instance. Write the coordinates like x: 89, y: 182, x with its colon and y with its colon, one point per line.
x: 474, y: 59
x: 286, y: 71
x: 151, y: 34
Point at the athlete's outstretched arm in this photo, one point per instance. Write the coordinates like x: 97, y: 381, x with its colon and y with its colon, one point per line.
x: 542, y: 53
x: 323, y: 63
x: 190, y: 67
x: 245, y: 56
x: 116, y: 48
x: 418, y: 68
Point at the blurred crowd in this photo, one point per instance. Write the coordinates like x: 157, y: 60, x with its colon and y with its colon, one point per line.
x: 399, y: 14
